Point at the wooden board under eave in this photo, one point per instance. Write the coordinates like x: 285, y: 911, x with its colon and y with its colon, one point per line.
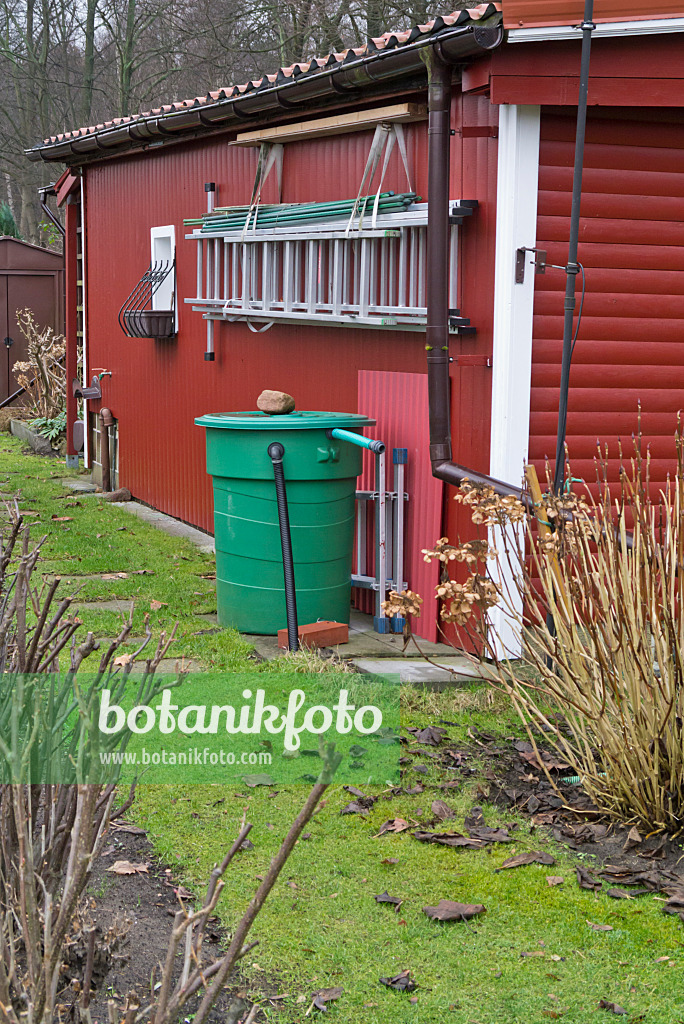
x: 542, y: 13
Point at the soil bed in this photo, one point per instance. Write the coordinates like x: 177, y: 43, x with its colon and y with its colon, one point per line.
x: 512, y: 778
x: 144, y: 904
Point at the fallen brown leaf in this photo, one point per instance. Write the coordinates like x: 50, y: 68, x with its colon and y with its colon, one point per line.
x: 490, y: 835
x: 400, y: 982
x: 600, y: 927
x: 432, y: 734
x: 124, y: 867
x: 626, y: 894
x: 449, y: 839
x: 554, y: 879
x: 393, y: 825
x: 613, y: 1007
x: 323, y: 996
x: 586, y: 880
x: 521, y: 859
x: 658, y: 853
x: 384, y: 897
x: 58, y: 519
x: 448, y: 910
x: 442, y: 810
x: 633, y: 839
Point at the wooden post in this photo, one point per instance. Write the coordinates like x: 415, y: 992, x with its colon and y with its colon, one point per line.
x: 545, y: 530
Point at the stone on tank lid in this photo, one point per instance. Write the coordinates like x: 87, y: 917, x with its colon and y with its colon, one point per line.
x: 275, y: 403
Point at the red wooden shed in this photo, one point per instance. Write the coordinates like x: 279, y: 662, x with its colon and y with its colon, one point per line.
x: 30, y: 278
x: 509, y: 98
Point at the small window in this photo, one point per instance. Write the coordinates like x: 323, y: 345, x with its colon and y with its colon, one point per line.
x: 163, y: 251
x: 151, y: 310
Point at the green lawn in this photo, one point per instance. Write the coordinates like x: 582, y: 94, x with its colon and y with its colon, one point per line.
x: 321, y: 926
x: 91, y: 539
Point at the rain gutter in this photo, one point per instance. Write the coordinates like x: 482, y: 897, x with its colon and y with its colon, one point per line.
x: 455, y: 44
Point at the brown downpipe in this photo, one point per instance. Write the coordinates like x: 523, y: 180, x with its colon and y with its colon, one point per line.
x: 437, y: 330
x: 106, y: 421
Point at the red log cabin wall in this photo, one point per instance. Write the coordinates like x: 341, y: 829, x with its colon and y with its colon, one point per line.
x: 629, y: 351
x: 157, y: 388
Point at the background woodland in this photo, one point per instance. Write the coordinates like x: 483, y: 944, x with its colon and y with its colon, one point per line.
x: 66, y: 65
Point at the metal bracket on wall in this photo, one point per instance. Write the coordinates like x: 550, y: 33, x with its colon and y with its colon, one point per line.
x: 479, y: 131
x: 460, y: 323
x: 539, y: 262
x: 473, y: 360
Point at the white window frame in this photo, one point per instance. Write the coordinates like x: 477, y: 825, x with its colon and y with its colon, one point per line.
x: 160, y: 251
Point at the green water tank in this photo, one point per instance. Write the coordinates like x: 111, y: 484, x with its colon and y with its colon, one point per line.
x: 320, y: 476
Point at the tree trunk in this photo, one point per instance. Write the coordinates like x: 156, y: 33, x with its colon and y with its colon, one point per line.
x: 88, y: 64
x: 29, y: 219
x: 127, y: 53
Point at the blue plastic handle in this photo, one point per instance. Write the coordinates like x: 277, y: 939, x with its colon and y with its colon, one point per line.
x: 363, y: 442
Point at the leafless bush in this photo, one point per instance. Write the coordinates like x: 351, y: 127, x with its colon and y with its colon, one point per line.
x: 591, y: 589
x: 43, y: 373
x: 50, y: 830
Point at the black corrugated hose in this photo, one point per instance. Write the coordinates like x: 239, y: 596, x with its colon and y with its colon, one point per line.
x: 276, y: 452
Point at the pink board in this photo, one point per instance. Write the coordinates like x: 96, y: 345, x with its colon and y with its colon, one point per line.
x: 399, y: 403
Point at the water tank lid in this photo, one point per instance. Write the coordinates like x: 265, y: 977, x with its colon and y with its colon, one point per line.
x: 297, y: 420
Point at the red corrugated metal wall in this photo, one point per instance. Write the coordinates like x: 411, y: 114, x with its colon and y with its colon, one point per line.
x: 157, y: 388
x: 400, y: 404
x: 629, y: 349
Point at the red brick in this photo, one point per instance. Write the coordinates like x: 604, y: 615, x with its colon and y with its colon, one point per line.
x: 318, y: 634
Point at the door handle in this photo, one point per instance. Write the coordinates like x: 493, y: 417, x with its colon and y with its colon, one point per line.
x: 9, y: 342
